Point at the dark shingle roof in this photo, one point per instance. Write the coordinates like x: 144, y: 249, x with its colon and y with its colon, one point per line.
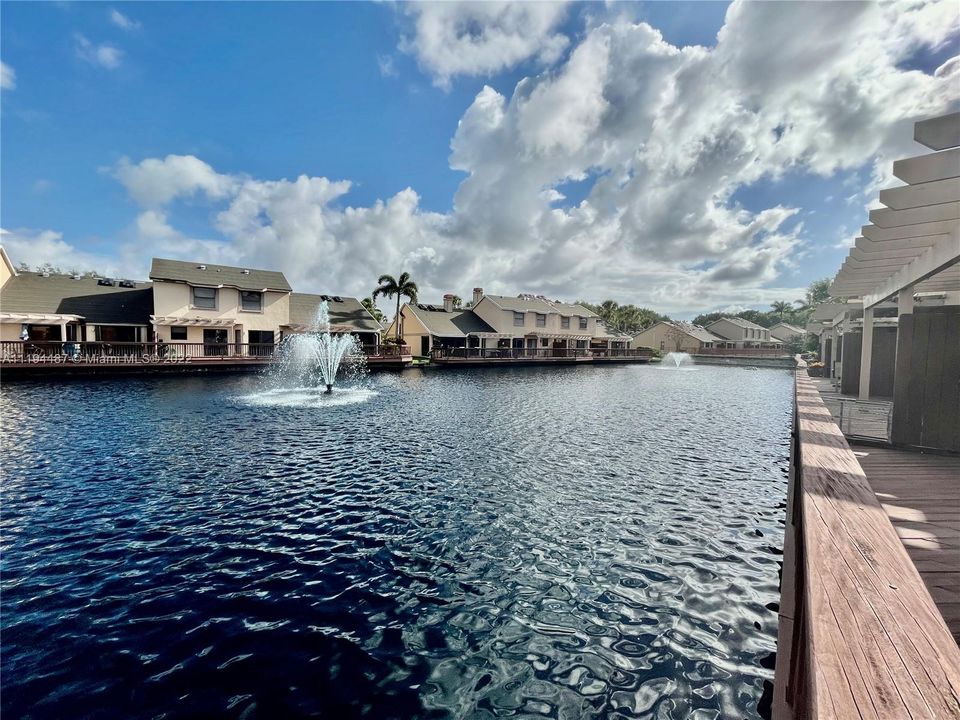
x: 241, y: 278
x: 30, y: 292
x: 441, y: 323
x: 345, y: 311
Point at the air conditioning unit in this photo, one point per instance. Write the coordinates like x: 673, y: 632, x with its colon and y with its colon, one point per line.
x: 201, y: 267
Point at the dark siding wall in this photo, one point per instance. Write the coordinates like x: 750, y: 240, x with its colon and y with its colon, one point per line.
x: 883, y: 362
x: 926, y: 407
x: 850, y: 381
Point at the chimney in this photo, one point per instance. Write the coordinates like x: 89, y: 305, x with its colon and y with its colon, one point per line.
x: 477, y: 294
x: 448, y: 303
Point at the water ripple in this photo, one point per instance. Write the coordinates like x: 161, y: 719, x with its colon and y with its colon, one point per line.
x: 563, y: 543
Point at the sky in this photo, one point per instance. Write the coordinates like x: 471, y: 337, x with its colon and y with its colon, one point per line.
x: 684, y: 157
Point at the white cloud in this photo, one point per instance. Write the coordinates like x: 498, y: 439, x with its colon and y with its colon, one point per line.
x: 122, y: 21
x: 103, y: 55
x: 155, y: 182
x: 37, y: 247
x: 8, y: 77
x: 481, y: 38
x: 386, y: 65
x: 660, y: 137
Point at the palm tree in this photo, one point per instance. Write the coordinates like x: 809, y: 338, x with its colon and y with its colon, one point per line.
x: 372, y: 308
x: 780, y: 307
x: 389, y: 286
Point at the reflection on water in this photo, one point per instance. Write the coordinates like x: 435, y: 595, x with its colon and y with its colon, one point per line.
x: 308, y: 397
x: 558, y: 542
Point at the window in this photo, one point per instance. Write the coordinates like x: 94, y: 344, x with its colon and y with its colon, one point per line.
x: 205, y: 298
x: 178, y: 333
x: 251, y: 300
x: 518, y: 319
x: 565, y: 323
x: 541, y: 320
x: 583, y: 323
x: 581, y: 344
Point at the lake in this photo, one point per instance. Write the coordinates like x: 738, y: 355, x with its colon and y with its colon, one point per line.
x: 536, y: 542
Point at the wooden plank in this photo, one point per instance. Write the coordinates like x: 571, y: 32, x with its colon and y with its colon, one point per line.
x: 877, y: 643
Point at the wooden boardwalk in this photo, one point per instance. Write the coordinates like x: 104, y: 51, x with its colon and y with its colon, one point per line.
x: 860, y: 634
x: 920, y: 493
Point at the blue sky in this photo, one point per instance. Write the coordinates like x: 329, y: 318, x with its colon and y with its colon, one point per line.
x: 347, y: 91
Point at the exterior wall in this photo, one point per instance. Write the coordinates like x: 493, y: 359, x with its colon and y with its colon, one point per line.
x: 742, y: 337
x: 653, y: 336
x: 926, y: 394
x: 9, y: 331
x: 6, y: 270
x: 502, y: 321
x: 780, y: 330
x: 174, y: 300
x: 413, y: 331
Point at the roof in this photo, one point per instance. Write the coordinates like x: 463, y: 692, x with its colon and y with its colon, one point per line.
x: 343, y: 311
x: 739, y: 322
x: 32, y: 292
x: 214, y: 275
x: 792, y: 328
x: 441, y: 323
x: 522, y: 304
x: 572, y: 309
x: 695, y: 331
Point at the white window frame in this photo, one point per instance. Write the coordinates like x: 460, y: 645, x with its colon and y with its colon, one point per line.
x: 564, y: 323
x: 541, y: 320
x: 583, y: 323
x: 519, y: 316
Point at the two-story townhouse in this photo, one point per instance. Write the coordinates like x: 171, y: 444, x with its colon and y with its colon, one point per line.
x: 534, y: 323
x: 218, y: 304
x: 743, y: 333
x: 677, y: 336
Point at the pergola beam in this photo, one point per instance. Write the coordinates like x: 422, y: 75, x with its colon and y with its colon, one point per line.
x: 928, y: 168
x: 912, y: 196
x: 942, y: 255
x: 887, y: 218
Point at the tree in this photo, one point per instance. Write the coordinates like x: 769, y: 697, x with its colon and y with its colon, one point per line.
x: 372, y: 308
x: 628, y: 319
x: 780, y: 307
x: 457, y: 302
x: 389, y: 286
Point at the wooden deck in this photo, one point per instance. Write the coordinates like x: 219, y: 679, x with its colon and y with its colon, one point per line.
x: 865, y: 419
x: 860, y: 635
x: 920, y: 493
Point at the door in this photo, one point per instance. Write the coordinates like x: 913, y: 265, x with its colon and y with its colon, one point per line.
x: 214, y: 342
x: 424, y: 345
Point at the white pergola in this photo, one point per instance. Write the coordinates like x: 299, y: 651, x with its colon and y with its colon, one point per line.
x: 913, y: 244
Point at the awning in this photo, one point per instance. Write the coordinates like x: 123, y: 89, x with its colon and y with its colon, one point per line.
x: 192, y: 321
x: 490, y: 335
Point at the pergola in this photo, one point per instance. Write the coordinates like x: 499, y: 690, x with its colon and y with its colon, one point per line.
x: 192, y: 322
x: 912, y: 245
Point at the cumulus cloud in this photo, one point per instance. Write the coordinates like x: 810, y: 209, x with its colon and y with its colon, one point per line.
x: 8, y: 77
x: 659, y: 138
x: 37, y: 247
x: 122, y: 21
x: 481, y: 38
x: 103, y: 55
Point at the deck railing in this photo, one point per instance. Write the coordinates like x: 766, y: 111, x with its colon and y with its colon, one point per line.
x: 860, y: 636
x: 508, y: 353
x: 99, y: 353
x: 740, y: 352
x: 537, y: 353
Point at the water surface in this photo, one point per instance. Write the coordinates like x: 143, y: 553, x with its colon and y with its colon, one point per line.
x: 558, y: 542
